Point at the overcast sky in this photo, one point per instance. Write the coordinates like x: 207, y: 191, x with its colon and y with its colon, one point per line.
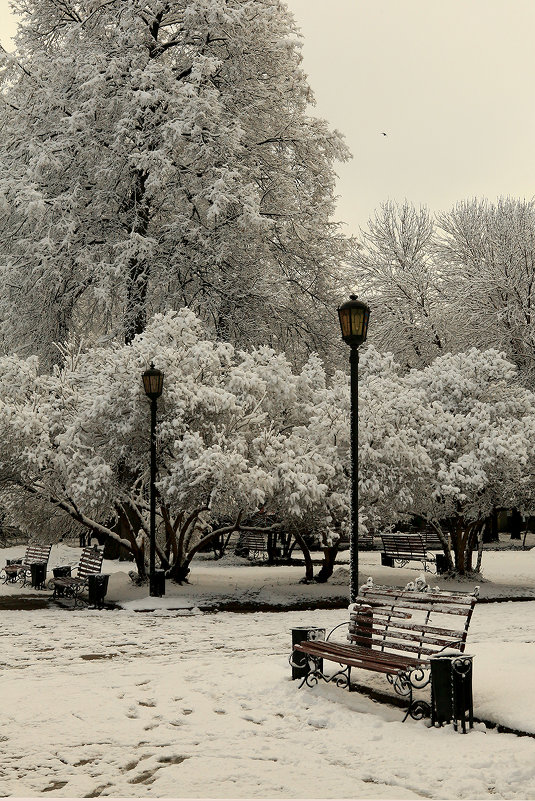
x: 449, y: 81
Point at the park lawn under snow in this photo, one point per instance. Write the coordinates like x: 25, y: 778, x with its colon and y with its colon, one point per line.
x: 179, y: 703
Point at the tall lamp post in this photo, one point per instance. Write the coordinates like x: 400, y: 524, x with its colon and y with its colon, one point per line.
x: 153, y: 384
x: 353, y: 316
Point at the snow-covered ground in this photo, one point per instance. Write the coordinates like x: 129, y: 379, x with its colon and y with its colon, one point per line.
x: 176, y: 703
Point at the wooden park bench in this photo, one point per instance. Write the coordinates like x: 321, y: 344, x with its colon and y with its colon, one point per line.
x: 365, y: 542
x: 399, y: 549
x: 73, y: 586
x: 21, y: 570
x: 254, y: 543
x: 394, y: 632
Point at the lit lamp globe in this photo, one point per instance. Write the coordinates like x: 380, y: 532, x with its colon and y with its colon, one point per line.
x: 353, y: 316
x: 153, y: 382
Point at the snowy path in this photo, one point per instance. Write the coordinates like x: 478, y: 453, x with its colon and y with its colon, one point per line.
x: 125, y: 704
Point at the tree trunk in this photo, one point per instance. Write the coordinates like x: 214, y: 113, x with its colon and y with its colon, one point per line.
x: 309, y: 567
x: 516, y: 524
x: 490, y: 531
x: 137, y: 211
x: 330, y: 553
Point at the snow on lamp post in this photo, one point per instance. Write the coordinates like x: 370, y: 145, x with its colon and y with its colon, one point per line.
x: 153, y: 385
x: 353, y: 316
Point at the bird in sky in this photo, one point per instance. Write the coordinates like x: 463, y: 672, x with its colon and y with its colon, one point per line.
x: 383, y: 133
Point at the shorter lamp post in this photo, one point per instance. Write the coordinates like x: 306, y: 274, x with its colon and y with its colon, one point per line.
x: 153, y: 384
x: 353, y: 316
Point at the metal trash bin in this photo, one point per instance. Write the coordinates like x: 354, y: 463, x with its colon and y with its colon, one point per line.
x: 157, y: 583
x: 441, y: 563
x: 64, y: 571
x: 299, y: 661
x: 451, y: 690
x: 61, y: 572
x: 97, y: 587
x: 38, y: 572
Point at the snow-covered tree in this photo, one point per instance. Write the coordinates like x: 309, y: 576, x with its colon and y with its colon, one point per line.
x: 396, y: 274
x: 234, y: 435
x: 487, y: 256
x: 160, y: 154
x: 448, y: 443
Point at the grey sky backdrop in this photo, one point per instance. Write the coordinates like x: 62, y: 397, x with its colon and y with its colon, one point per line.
x: 450, y: 82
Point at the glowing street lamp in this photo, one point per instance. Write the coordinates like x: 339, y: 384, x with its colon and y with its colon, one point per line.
x: 353, y: 316
x: 153, y: 384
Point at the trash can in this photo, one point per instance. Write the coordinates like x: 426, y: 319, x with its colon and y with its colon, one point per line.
x: 299, y: 660
x: 387, y: 561
x: 38, y: 571
x: 441, y: 563
x: 157, y: 583
x: 63, y: 571
x: 451, y: 690
x: 97, y: 587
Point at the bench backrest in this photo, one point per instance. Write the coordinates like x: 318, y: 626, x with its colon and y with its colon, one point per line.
x: 366, y: 540
x: 403, y: 546
x: 254, y: 540
x: 417, y: 624
x: 90, y: 562
x: 37, y: 553
x: 431, y: 540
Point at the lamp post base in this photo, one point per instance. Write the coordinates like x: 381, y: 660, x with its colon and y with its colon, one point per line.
x: 157, y: 584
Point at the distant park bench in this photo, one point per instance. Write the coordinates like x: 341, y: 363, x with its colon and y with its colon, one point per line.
x: 67, y: 586
x: 21, y: 570
x: 365, y: 542
x: 399, y: 549
x: 254, y: 544
x: 395, y: 632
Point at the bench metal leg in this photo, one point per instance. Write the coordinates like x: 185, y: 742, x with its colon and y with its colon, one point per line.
x: 340, y: 678
x: 404, y: 682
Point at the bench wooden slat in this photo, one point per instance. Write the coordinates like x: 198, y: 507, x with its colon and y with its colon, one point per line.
x: 445, y: 609
x: 383, y: 611
x: 412, y: 627
x: 393, y: 592
x: 358, y: 657
x: 90, y: 562
x: 410, y: 630
x: 406, y: 644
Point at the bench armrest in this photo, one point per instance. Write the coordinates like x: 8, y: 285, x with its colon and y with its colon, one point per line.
x: 345, y: 623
